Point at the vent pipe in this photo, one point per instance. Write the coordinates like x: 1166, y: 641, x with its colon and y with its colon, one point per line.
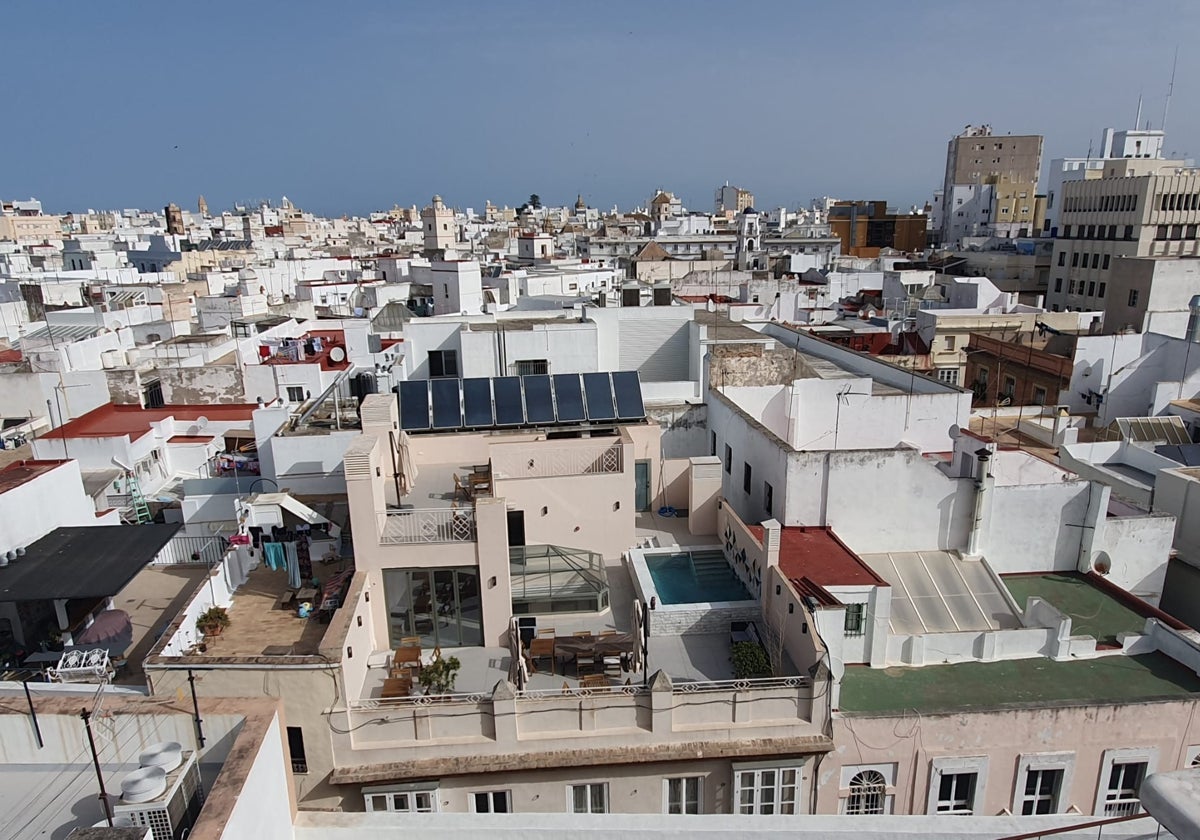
x: 1193, y: 324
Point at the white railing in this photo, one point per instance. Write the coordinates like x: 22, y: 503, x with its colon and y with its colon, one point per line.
x: 370, y: 703
x: 436, y: 525
x: 581, y: 691
x: 701, y: 686
x: 541, y: 461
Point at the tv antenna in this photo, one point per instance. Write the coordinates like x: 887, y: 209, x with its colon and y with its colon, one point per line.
x: 1170, y: 89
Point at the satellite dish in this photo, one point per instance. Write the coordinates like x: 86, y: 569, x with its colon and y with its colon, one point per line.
x: 337, y: 354
x: 955, y: 431
x: 201, y: 422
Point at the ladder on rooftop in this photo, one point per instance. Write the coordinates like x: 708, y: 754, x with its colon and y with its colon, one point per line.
x: 141, y: 510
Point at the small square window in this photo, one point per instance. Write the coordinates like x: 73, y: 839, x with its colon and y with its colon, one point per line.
x: 854, y: 624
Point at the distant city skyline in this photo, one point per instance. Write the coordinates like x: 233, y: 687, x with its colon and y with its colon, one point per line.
x: 355, y: 108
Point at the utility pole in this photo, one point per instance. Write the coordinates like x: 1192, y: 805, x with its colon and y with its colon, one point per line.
x: 87, y: 724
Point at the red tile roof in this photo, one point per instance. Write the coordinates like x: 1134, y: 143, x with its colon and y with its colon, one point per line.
x: 814, y: 553
x: 111, y: 420
x: 19, y: 472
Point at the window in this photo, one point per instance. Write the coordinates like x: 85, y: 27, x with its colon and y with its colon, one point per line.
x: 1124, y: 781
x: 1058, y: 283
x: 746, y: 476
x: 728, y: 460
x: 1062, y: 257
x: 853, y: 625
x: 1095, y: 260
x: 956, y: 793
x: 295, y: 393
x: 1066, y: 231
x: 1133, y: 297
x: 981, y: 377
x: 948, y: 375
x: 1091, y: 288
x: 768, y: 498
x: 1160, y: 232
x: 712, y: 440
x: 403, y: 799
x: 591, y: 798
x: 683, y: 795
x: 1128, y: 232
x: 956, y: 785
x: 295, y: 736
x: 1075, y: 260
x: 532, y: 367
x: 1039, y: 395
x: 766, y: 790
x: 950, y: 341
x: 1042, y: 789
x: 1101, y: 288
x: 491, y: 802
x: 1010, y: 386
x: 868, y: 793
x: 443, y: 363
x: 1104, y: 262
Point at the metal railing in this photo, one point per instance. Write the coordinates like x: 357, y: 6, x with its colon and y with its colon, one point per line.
x: 540, y: 461
x: 414, y: 700
x: 581, y: 691
x: 433, y: 525
x: 701, y: 686
x: 192, y: 551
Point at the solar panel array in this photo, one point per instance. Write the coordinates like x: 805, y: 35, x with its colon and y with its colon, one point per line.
x: 443, y: 405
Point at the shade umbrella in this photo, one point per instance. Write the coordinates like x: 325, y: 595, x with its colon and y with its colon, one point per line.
x: 111, y: 629
x: 407, y: 472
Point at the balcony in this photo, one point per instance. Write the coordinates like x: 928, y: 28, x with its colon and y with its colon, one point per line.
x: 430, y: 525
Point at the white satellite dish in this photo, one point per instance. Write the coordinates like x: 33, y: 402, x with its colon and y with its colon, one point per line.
x: 202, y: 422
x: 337, y: 355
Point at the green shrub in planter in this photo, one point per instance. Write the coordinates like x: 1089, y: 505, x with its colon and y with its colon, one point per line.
x: 750, y: 661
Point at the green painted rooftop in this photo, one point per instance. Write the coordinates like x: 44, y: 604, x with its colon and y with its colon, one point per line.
x: 1021, y: 682
x: 1092, y: 611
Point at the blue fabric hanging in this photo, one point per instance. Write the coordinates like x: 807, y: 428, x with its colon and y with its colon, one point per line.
x: 293, y: 564
x: 273, y: 551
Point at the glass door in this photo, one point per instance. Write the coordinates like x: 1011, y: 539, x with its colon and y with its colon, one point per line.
x: 442, y: 607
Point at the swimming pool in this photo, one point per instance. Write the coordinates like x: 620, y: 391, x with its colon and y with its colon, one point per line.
x: 695, y: 577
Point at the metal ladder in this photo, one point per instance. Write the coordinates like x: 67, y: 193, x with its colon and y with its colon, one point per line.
x: 141, y: 510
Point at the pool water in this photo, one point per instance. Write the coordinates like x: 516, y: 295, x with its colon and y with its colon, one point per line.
x: 699, y: 577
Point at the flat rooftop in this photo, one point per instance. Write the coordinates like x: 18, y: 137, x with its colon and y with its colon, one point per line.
x: 111, y: 420
x: 939, y: 592
x: 19, y: 472
x: 259, y: 627
x: 1016, y: 682
x: 817, y: 554
x: 1093, y: 612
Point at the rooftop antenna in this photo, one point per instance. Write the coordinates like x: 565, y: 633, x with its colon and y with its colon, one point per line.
x: 1137, y: 121
x: 1170, y: 88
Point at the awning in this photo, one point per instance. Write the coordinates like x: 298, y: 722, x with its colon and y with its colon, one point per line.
x: 83, y: 562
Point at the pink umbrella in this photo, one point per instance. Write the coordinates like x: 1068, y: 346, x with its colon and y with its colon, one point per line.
x: 111, y: 629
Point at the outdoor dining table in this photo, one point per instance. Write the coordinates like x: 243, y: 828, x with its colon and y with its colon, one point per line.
x: 396, y: 687
x: 566, y: 647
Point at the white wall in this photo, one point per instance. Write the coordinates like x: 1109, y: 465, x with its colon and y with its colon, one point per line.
x: 262, y: 810
x: 51, y: 500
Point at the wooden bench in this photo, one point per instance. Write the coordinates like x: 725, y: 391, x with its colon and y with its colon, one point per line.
x: 285, y: 600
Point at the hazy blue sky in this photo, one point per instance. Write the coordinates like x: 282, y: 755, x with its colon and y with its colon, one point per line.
x: 352, y: 106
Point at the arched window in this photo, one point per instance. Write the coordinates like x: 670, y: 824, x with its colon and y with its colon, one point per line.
x: 868, y: 790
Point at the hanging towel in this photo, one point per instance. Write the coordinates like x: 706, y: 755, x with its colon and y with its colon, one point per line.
x: 304, y: 557
x: 293, y: 565
x: 274, y: 555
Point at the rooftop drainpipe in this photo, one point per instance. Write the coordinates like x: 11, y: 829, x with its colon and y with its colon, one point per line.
x: 982, y: 456
x: 1193, y: 324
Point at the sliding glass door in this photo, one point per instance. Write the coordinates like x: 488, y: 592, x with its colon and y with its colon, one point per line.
x: 441, y: 607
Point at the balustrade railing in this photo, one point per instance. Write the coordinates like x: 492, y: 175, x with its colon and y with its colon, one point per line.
x: 552, y: 461
x: 435, y: 525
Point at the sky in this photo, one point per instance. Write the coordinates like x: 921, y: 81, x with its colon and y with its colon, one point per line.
x: 349, y: 107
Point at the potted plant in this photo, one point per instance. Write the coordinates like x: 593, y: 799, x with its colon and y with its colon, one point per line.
x: 212, y: 621
x: 438, y: 676
x: 750, y: 661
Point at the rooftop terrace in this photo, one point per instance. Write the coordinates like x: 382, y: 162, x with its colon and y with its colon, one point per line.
x: 1093, y: 612
x: 1016, y: 682
x: 111, y: 420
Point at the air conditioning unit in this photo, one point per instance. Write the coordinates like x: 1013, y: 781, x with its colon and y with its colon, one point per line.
x: 164, y: 794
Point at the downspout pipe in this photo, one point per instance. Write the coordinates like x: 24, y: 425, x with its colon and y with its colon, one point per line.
x: 982, y: 457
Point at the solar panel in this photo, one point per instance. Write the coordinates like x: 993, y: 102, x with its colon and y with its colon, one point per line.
x: 628, y: 389
x: 539, y: 406
x: 447, y: 409
x: 414, y: 405
x: 507, y: 394
x: 477, y: 401
x: 598, y: 388
x: 568, y: 397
